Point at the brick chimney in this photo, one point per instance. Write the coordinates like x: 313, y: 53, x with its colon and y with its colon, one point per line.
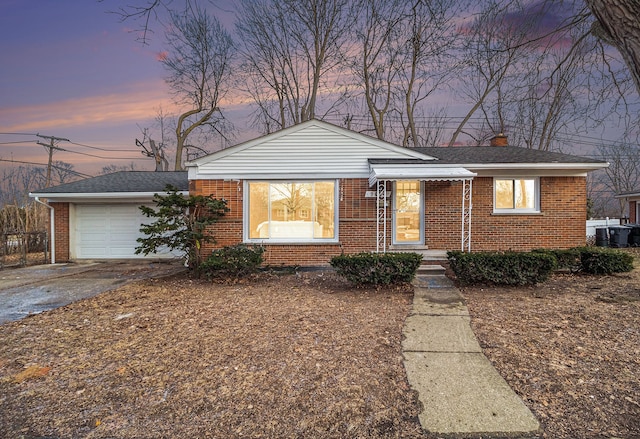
x: 499, y: 140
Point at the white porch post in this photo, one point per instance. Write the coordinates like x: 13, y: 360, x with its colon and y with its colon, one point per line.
x: 466, y: 214
x: 381, y: 218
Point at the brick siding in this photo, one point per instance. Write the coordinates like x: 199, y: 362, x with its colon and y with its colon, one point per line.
x: 61, y: 224
x: 560, y: 224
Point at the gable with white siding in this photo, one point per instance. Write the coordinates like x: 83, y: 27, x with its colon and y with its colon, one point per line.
x: 313, y: 149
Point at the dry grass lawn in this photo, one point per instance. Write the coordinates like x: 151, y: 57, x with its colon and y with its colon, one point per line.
x: 307, y: 356
x: 282, y: 356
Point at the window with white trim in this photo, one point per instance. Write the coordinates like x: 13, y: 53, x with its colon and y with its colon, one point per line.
x: 290, y: 211
x: 516, y: 195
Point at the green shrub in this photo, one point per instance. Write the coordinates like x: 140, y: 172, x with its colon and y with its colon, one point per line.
x: 377, y: 268
x: 508, y: 268
x: 232, y: 262
x: 599, y: 260
x: 565, y: 259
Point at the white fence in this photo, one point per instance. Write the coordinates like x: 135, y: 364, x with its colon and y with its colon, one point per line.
x: 592, y: 225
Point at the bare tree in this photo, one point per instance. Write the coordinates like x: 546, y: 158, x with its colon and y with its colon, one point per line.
x: 110, y: 169
x: 623, y: 173
x: 63, y: 172
x: 155, y: 151
x: 491, y: 51
x: 199, y: 72
x: 549, y: 95
x: 291, y: 48
x: 431, y: 39
x: 376, y: 56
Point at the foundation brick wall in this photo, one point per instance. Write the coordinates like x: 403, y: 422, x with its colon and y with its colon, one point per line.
x: 632, y: 212
x: 61, y: 224
x: 561, y: 223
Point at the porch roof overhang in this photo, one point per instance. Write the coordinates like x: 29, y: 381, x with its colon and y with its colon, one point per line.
x: 633, y: 194
x: 417, y: 171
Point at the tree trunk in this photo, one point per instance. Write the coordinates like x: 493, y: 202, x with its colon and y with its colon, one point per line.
x: 620, y: 19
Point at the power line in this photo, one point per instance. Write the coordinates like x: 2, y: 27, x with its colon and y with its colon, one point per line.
x: 65, y: 140
x: 97, y: 156
x: 51, y: 146
x: 20, y: 134
x: 104, y: 149
x: 44, y: 164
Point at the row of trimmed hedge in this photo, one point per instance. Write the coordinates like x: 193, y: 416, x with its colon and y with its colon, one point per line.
x: 520, y: 268
x: 362, y: 268
x: 501, y: 268
x: 508, y: 268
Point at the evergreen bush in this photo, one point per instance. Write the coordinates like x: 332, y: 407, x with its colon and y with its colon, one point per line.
x: 565, y: 259
x: 600, y: 260
x: 377, y: 268
x: 232, y: 262
x: 501, y: 268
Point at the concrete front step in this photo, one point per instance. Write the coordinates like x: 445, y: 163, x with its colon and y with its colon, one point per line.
x: 430, y: 270
x: 427, y: 254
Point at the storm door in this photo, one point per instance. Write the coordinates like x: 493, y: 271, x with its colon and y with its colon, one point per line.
x: 408, y: 212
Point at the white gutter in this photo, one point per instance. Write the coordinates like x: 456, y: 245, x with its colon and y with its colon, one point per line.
x: 536, y: 166
x: 101, y: 195
x: 53, y: 230
x: 628, y: 195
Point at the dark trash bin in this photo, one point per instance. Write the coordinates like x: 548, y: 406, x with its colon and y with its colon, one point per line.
x: 619, y: 236
x: 602, y: 237
x: 634, y: 235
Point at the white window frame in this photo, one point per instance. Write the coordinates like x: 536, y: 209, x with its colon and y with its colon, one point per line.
x: 246, y: 214
x: 536, y: 207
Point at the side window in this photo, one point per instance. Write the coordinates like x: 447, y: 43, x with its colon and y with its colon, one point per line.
x: 516, y: 195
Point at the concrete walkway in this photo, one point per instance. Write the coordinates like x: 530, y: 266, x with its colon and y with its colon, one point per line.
x: 461, y: 392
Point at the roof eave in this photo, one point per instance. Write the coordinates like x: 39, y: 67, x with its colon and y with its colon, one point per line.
x: 538, y: 166
x: 69, y: 196
x: 628, y: 195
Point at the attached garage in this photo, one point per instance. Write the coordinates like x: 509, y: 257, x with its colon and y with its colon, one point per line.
x: 107, y: 231
x: 100, y: 217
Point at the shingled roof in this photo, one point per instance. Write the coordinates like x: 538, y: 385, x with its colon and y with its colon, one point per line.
x: 123, y: 181
x: 487, y: 155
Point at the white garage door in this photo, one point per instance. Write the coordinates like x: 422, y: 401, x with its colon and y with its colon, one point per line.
x: 109, y: 231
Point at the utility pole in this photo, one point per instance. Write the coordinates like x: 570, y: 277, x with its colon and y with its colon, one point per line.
x: 51, y: 146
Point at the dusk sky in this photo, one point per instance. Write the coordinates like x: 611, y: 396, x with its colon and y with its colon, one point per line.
x: 71, y: 69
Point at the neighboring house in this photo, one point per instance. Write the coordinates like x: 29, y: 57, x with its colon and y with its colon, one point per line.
x: 316, y: 190
x: 633, y: 200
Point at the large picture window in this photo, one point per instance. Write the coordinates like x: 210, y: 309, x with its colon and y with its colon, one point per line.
x: 516, y: 195
x: 291, y: 211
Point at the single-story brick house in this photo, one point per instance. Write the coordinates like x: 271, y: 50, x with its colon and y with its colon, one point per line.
x: 315, y: 190
x: 633, y: 200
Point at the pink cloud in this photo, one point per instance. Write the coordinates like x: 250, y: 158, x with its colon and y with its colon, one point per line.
x: 134, y: 103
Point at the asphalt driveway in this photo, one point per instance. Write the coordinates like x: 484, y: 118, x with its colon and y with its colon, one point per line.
x: 32, y: 290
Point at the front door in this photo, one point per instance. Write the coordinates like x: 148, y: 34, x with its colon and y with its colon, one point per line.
x: 408, y: 212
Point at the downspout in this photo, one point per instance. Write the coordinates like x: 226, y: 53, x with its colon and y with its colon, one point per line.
x: 52, y: 228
